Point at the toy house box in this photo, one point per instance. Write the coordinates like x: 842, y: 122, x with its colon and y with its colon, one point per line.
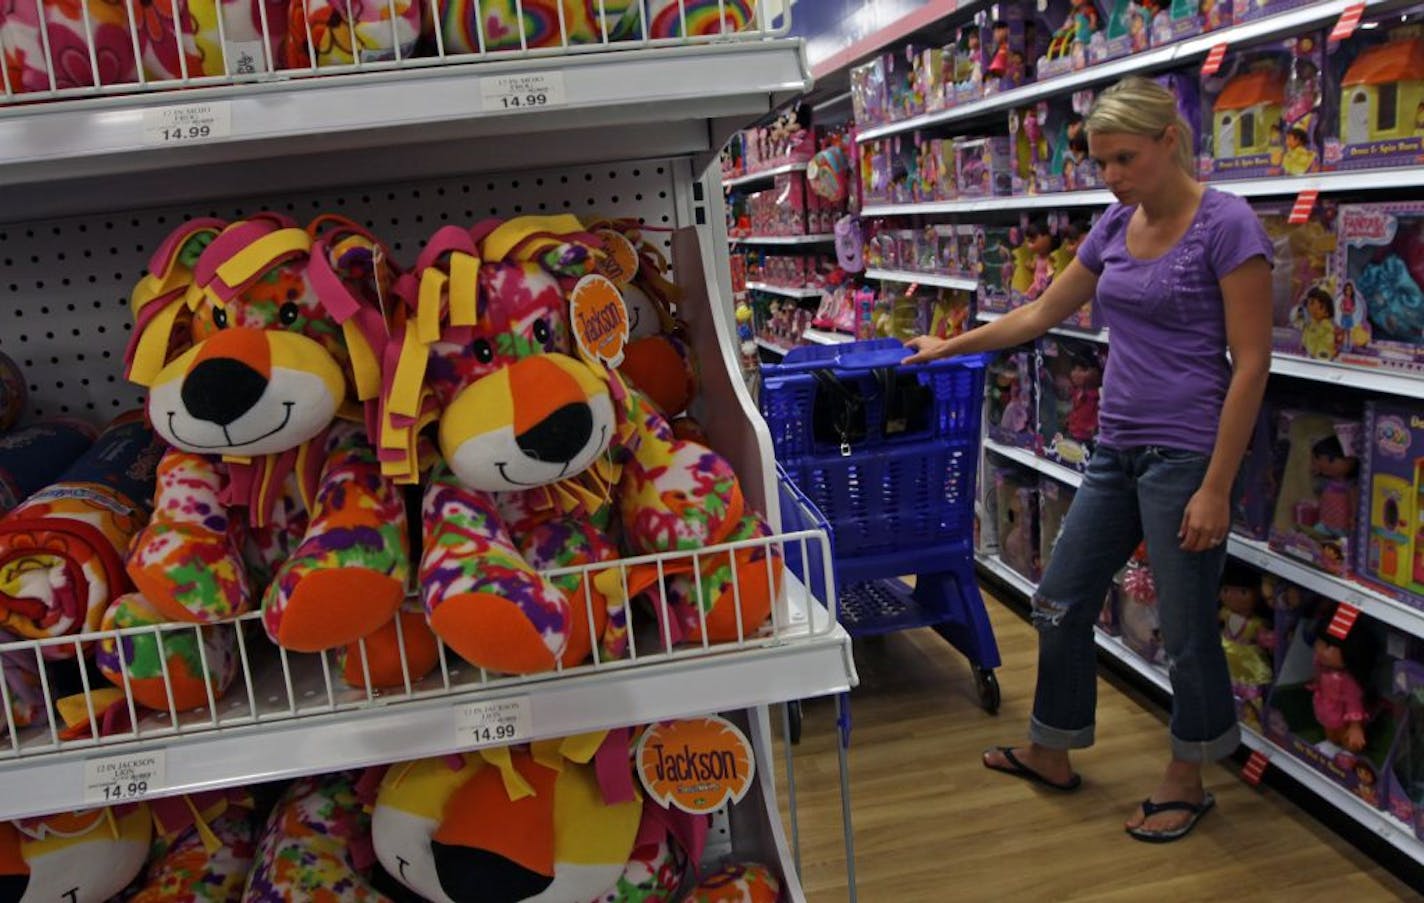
x: 1391, y: 532
x: 993, y: 256
x: 1299, y: 697
x: 1377, y: 85
x: 1379, y: 269
x: 1306, y: 320
x: 1264, y: 111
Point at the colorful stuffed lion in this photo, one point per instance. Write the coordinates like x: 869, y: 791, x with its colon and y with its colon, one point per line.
x: 257, y: 342
x: 547, y: 460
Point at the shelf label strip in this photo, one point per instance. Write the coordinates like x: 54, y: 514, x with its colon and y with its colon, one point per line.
x: 194, y: 123
x: 124, y: 778
x: 530, y: 91
x: 496, y: 722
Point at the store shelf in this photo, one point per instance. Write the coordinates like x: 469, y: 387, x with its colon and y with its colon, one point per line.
x: 1283, y: 24
x: 803, y: 292
x: 783, y: 239
x: 826, y: 337
x: 1044, y: 466
x: 966, y: 283
x: 769, y: 345
x: 1013, y: 578
x: 1119, y: 650
x: 1343, y: 589
x: 809, y: 657
x: 984, y: 205
x: 424, y: 120
x: 763, y: 176
x: 988, y: 316
x: 1369, y: 379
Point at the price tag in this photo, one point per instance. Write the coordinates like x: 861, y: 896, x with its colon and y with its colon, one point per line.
x: 1348, y: 22
x: 124, y: 778
x: 523, y: 92
x: 1213, y: 60
x: 1304, y: 203
x: 194, y: 123
x: 493, y: 723
x: 1344, y: 621
x: 1255, y: 768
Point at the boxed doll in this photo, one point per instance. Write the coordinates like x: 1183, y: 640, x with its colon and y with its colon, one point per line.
x: 946, y: 249
x: 1016, y: 500
x: 875, y: 171
x: 966, y: 240
x: 1246, y: 10
x: 1264, y: 112
x: 1054, y: 498
x: 1392, y: 511
x: 1035, y: 246
x: 1185, y: 85
x: 1404, y: 781
x: 1174, y: 20
x: 992, y: 253
x: 1247, y: 638
x: 949, y: 310
x: 1070, y: 374
x: 967, y: 58
x: 1138, y: 621
x: 1009, y: 400
x: 983, y: 167
x: 1127, y: 29
x: 1071, y: 233
x: 1331, y: 705
x: 1305, y: 318
x: 1379, y: 270
x: 868, y: 96
x: 1003, y: 40
x: 1315, y: 513
x: 1377, y: 80
x: 1260, y: 478
x: 1076, y: 36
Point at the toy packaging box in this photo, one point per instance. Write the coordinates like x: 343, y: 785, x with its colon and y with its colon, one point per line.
x: 1260, y: 478
x: 1070, y: 375
x: 1392, y: 507
x: 1264, y: 113
x: 1379, y: 269
x: 1050, y: 146
x: 1331, y: 703
x: 1034, y: 246
x: 1054, y: 498
x: 1128, y: 28
x: 967, y: 56
x: 1185, y: 85
x: 1076, y: 36
x: 868, y: 97
x: 1377, y: 87
x: 1174, y: 20
x: 983, y: 167
x: 1315, y: 512
x: 1306, y: 320
x: 1247, y: 10
x: 875, y: 171
x: 928, y: 70
x: 1138, y: 620
x: 993, y: 249
x: 902, y: 76
x: 966, y: 239
x: 1404, y: 784
x: 904, y: 161
x: 1016, y: 491
x: 1003, y: 40
x: 1247, y: 638
x: 949, y: 311
x: 1010, y: 398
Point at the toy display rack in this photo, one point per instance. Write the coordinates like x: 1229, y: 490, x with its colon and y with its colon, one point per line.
x: 87, y: 197
x: 1379, y: 822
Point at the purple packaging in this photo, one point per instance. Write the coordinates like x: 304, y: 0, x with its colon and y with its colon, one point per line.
x: 1377, y: 89
x: 875, y: 171
x: 1174, y: 20
x: 994, y: 250
x: 1404, y: 773
x: 1050, y: 146
x: 1054, y: 499
x: 1016, y: 489
x: 1128, y: 28
x: 1005, y: 57
x: 1010, y: 399
x: 1379, y: 272
x: 1070, y: 377
x: 867, y: 93
x: 1264, y: 112
x: 983, y: 167
x: 1391, y: 515
x: 1185, y: 85
x: 1304, y: 312
x: 35, y: 456
x: 967, y: 55
x: 968, y: 258
x: 1260, y: 479
x: 1247, y: 10
x: 1076, y: 38
x: 1316, y: 508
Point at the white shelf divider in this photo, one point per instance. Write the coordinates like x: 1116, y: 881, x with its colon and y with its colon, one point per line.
x: 787, y: 291
x: 966, y: 283
x: 769, y: 345
x: 989, y: 316
x: 764, y: 175
x: 783, y: 239
x: 1398, y: 834
x: 826, y: 337
x: 1313, y: 15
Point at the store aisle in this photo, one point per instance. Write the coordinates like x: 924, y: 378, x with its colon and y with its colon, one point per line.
x: 932, y: 825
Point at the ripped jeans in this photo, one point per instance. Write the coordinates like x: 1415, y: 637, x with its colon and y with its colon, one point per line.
x: 1126, y: 495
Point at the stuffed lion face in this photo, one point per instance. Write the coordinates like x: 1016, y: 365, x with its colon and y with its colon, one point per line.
x: 254, y: 358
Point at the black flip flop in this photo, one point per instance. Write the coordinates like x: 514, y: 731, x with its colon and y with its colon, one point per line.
x: 1150, y: 809
x: 1020, y: 770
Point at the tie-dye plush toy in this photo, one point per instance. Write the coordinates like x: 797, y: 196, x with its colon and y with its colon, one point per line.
x: 316, y: 846
x: 87, y: 856
x: 737, y: 883
x: 257, y: 343
x: 203, y: 848
x: 546, y: 460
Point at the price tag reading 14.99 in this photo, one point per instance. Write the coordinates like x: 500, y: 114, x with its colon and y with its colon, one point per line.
x: 187, y: 124
x: 522, y: 92
x: 497, y: 722
x: 124, y: 778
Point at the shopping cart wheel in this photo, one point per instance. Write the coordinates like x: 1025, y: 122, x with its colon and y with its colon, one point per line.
x: 988, y: 686
x: 793, y: 720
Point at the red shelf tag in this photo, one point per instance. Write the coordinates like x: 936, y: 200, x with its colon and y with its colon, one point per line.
x: 1254, y: 768
x: 1343, y: 622
x: 1304, y: 203
x: 914, y: 287
x: 1213, y: 60
x: 1348, y: 22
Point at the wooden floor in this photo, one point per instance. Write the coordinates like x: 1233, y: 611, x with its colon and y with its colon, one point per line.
x: 932, y: 825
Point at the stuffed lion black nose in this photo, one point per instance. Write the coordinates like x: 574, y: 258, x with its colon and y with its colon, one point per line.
x: 560, y: 436
x: 222, y: 389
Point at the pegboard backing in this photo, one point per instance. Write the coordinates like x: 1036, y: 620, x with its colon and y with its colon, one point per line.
x: 64, y: 315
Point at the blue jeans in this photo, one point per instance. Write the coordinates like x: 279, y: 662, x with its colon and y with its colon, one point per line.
x: 1128, y: 494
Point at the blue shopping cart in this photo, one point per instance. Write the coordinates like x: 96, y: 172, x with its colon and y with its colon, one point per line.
x: 887, y: 457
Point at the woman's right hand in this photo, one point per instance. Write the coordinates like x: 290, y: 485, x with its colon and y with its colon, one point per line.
x: 927, y: 348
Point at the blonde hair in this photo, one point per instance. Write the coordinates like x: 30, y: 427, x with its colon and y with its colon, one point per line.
x: 1140, y: 106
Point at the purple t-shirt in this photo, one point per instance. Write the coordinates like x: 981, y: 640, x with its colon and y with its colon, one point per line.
x: 1167, y: 370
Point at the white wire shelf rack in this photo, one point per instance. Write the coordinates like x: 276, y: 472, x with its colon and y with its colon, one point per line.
x: 1313, y: 15
x: 287, y: 714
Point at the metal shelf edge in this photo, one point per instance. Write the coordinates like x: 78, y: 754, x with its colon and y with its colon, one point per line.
x: 966, y: 283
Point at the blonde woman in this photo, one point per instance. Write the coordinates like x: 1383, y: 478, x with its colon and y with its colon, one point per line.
x: 1182, y: 275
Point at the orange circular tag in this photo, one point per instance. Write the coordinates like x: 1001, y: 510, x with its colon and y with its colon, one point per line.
x: 620, y: 262
x: 698, y: 765
x: 599, y: 319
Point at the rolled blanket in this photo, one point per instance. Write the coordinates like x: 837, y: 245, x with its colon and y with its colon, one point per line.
x: 33, y: 457
x: 22, y: 683
x: 61, y: 552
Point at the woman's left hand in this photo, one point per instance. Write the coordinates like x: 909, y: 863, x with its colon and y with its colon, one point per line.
x: 1206, y: 521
